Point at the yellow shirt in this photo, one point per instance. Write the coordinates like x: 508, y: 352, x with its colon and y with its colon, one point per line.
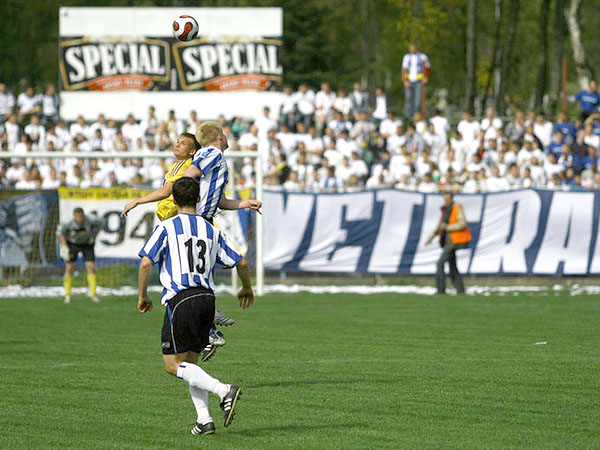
x: 166, y: 207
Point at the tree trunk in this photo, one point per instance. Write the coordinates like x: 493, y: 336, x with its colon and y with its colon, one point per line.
x: 364, y: 41
x: 507, y: 51
x: 495, y: 56
x: 583, y: 72
x: 471, y: 56
x: 559, y: 31
x: 543, y: 55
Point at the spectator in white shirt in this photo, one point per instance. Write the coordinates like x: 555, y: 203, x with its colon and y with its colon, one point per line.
x: 50, y: 105
x: 305, y: 103
x: 342, y: 102
x: 51, y: 181
x: 495, y: 182
x: 389, y: 125
x: 360, y: 100
x: 427, y: 185
x: 28, y: 103
x: 287, y: 138
x: 13, y: 132
x: 345, y: 145
x: 287, y: 109
x: 324, y: 101
x: 381, y: 107
x: 491, y: 124
x: 264, y: 123
x: 131, y: 130
x: 78, y: 127
x: 249, y: 140
x: 149, y: 126
x: 28, y: 181
x: 7, y: 103
x: 589, y: 138
x: 543, y: 128
x: 468, y: 128
x: 358, y: 167
x: 292, y: 184
x: 441, y: 126
x: 36, y: 132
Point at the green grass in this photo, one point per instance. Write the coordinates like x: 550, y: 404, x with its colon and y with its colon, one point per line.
x: 318, y: 372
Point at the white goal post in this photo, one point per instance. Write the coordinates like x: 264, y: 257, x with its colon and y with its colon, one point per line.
x: 230, y: 156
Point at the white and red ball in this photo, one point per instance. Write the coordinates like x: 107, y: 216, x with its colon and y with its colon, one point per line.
x: 185, y: 28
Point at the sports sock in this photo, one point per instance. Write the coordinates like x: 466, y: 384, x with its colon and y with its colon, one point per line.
x: 195, y: 376
x: 67, y: 283
x: 200, y: 399
x: 92, y: 280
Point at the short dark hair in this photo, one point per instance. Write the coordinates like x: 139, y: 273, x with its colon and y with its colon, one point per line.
x: 78, y: 210
x: 193, y: 138
x: 186, y: 192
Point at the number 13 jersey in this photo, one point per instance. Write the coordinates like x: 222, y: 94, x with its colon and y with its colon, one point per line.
x: 188, y: 249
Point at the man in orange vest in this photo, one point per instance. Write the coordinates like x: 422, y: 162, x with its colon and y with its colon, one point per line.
x: 454, y: 234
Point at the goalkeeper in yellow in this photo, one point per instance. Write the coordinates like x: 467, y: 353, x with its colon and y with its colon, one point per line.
x: 79, y: 236
x: 201, y: 158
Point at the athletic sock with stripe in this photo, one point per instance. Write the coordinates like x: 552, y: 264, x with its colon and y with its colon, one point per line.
x: 195, y: 376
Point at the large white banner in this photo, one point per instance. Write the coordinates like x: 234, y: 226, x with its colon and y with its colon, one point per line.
x: 518, y: 232
x: 118, y: 61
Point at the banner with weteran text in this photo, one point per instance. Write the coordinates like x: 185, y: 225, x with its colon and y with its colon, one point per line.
x: 518, y: 232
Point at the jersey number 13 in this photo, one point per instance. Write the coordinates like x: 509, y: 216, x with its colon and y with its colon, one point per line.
x: 196, y: 252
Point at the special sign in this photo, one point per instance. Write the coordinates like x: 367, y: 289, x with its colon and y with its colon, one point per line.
x: 112, y: 64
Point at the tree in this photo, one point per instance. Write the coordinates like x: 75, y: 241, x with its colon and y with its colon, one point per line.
x: 583, y: 72
x: 506, y: 53
x: 471, y: 56
x: 542, y: 54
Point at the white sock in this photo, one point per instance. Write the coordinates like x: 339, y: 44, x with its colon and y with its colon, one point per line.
x: 200, y: 399
x: 195, y: 376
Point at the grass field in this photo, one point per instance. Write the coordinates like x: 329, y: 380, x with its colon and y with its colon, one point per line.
x: 318, y: 371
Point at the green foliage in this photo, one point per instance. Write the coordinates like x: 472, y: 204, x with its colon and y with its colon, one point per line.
x: 317, y: 371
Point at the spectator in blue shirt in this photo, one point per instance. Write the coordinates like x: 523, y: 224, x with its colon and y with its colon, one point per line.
x: 556, y: 143
x: 567, y: 129
x: 590, y: 161
x: 588, y: 100
x: 569, y: 160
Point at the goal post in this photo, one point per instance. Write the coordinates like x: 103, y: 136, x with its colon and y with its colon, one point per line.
x: 117, y: 229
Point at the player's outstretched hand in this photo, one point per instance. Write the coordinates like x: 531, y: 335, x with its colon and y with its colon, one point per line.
x: 144, y: 304
x: 246, y: 297
x: 253, y: 204
x: 128, y: 207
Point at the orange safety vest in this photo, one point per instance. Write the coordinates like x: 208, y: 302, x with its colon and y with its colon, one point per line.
x: 457, y: 237
x: 462, y: 236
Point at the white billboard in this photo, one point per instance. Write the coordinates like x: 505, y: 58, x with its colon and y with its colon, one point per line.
x: 121, y: 60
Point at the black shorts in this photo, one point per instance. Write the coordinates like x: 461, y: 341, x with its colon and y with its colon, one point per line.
x: 188, y: 319
x: 86, y: 249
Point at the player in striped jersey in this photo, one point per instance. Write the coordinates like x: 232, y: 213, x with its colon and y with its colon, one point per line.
x: 187, y: 249
x: 209, y: 168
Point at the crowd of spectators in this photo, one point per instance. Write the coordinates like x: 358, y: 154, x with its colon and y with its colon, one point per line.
x: 324, y: 141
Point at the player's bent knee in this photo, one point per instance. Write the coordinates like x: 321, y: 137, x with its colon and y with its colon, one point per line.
x: 171, y: 363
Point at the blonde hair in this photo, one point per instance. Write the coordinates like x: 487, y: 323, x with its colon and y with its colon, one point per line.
x: 207, y: 133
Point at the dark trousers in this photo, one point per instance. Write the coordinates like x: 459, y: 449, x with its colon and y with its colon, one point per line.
x: 449, y: 255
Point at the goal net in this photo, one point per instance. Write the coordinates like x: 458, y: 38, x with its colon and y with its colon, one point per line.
x: 29, y: 246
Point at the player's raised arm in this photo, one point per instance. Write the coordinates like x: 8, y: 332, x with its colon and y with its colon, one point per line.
x: 154, y: 196
x: 192, y: 172
x: 227, y: 203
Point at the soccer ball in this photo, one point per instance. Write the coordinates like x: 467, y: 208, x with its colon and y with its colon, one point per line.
x: 185, y: 28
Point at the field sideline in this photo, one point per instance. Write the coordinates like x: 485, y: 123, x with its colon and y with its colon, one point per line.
x: 318, y: 371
